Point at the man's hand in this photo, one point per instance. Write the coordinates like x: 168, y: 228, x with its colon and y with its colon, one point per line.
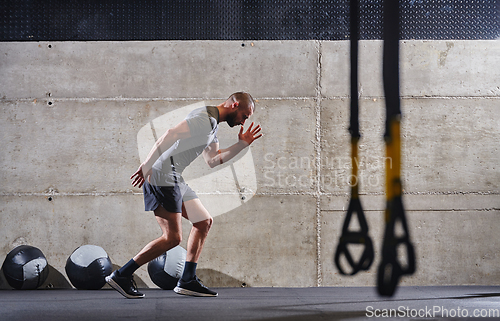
x: 139, y: 178
x: 250, y: 135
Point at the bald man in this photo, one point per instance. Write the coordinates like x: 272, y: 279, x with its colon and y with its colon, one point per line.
x: 170, y: 198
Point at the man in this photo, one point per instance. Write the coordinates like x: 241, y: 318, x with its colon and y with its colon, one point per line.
x: 170, y: 198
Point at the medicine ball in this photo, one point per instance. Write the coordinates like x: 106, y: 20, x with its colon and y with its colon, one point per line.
x: 87, y: 267
x: 167, y: 269
x: 25, y: 268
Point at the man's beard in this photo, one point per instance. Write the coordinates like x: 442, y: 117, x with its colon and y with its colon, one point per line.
x: 231, y: 119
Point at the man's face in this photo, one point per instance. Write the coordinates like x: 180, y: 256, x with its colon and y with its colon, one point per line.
x: 238, y: 116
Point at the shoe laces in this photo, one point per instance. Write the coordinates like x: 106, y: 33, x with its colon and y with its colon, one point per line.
x: 200, y: 281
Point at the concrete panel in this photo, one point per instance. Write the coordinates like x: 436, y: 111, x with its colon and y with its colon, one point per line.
x: 175, y: 69
x: 427, y: 68
x: 117, y: 223
x: 334, y: 80
x: 284, y: 157
x: 451, y: 248
x: 456, y: 248
x: 269, y: 241
x: 450, y: 68
x: 449, y: 145
x: 336, y: 147
x: 72, y: 146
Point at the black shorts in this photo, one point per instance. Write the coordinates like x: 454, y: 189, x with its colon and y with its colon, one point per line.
x: 170, y: 197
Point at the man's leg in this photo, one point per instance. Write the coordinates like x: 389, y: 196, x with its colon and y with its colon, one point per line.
x: 189, y: 284
x: 171, y: 227
x: 199, y: 231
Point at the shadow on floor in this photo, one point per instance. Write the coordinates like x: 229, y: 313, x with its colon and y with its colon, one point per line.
x: 213, y: 278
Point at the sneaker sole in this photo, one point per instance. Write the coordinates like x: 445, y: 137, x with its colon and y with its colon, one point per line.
x: 118, y: 288
x: 182, y: 291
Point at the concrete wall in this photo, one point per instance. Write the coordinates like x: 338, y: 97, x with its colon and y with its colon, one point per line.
x: 71, y: 114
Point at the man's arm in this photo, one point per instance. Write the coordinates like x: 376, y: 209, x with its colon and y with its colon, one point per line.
x: 214, y: 156
x: 180, y: 131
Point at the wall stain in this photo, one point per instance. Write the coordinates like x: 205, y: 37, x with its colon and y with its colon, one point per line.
x: 444, y: 54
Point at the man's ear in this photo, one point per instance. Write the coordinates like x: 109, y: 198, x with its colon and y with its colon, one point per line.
x: 235, y: 104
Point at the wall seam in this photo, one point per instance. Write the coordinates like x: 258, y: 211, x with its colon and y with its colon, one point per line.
x: 171, y: 99
x: 319, y: 274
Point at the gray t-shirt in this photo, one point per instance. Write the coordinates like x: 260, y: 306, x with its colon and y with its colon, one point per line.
x: 203, y: 124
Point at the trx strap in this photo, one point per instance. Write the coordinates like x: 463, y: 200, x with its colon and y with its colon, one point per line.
x: 390, y: 268
x: 361, y: 236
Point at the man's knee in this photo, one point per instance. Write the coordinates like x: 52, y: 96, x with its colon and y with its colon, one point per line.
x: 205, y: 225
x: 172, y: 239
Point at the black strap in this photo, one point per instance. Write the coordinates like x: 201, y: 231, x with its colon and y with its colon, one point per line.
x: 354, y: 23
x: 354, y: 237
x: 361, y: 236
x: 390, y: 71
x: 390, y: 269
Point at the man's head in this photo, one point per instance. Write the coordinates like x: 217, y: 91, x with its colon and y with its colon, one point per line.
x: 241, y: 106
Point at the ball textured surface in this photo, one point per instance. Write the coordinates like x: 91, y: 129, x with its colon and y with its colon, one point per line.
x: 87, y: 267
x: 25, y: 268
x: 167, y: 269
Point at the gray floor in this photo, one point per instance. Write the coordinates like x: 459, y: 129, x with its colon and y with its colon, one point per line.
x: 254, y: 304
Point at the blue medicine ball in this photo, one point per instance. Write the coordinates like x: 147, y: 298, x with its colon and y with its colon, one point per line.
x: 167, y: 269
x: 87, y: 267
x: 25, y: 268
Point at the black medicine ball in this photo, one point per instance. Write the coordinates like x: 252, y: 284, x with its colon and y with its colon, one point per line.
x: 167, y: 269
x: 25, y: 268
x: 87, y: 267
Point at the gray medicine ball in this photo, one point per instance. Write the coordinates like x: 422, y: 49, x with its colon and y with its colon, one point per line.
x: 167, y: 269
x: 87, y: 267
x: 25, y: 268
